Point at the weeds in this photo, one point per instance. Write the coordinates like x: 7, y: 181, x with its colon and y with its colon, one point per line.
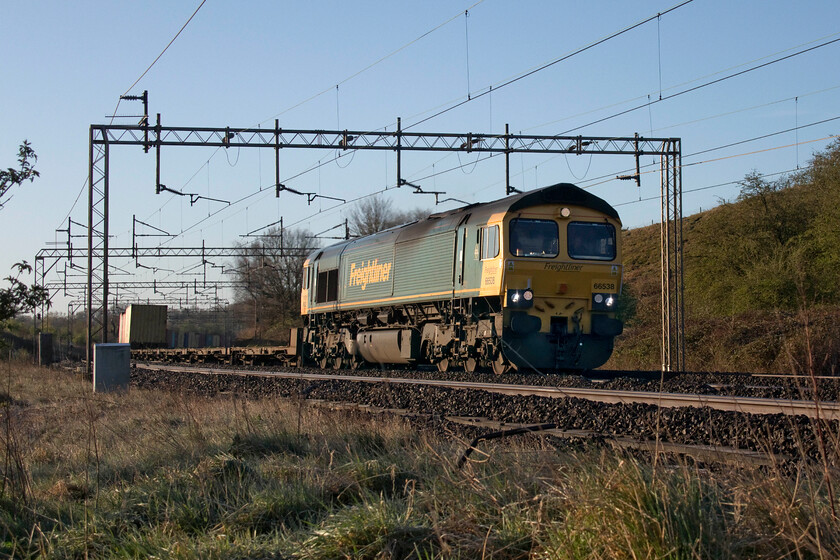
x: 178, y: 476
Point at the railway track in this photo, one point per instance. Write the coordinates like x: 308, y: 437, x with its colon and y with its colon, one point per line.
x: 701, y: 453
x: 829, y: 410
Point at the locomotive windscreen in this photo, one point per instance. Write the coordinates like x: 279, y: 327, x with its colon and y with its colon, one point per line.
x: 534, y: 238
x: 591, y: 241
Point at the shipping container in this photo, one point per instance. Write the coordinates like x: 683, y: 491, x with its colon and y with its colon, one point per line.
x: 143, y: 326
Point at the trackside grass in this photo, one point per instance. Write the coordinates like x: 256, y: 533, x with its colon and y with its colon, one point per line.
x: 152, y: 474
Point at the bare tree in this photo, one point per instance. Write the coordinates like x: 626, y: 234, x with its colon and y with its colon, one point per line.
x: 273, y: 274
x: 377, y: 213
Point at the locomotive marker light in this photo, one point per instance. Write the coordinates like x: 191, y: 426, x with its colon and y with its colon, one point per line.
x: 521, y: 298
x: 603, y: 302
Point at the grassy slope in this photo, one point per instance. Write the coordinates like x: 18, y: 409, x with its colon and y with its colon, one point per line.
x: 755, y: 301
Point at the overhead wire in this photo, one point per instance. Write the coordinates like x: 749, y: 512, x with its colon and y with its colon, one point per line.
x: 590, y: 46
x: 552, y: 63
x: 608, y: 178
x: 537, y: 69
x: 829, y: 137
x: 311, y: 216
x: 681, y: 84
x: 743, y: 109
x: 146, y: 71
x: 695, y: 88
x: 356, y: 74
x: 719, y: 115
x: 404, y: 46
x: 347, y: 79
x: 371, y: 65
x: 704, y: 188
x: 520, y: 77
x: 794, y: 129
x: 611, y: 176
x: 336, y: 206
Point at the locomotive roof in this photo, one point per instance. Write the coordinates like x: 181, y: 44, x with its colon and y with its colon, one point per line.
x: 565, y: 193
x: 561, y: 194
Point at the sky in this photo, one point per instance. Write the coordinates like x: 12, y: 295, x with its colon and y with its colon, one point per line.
x: 747, y: 86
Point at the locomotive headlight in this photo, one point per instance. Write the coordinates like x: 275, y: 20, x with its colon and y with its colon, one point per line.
x: 604, y: 302
x: 522, y: 299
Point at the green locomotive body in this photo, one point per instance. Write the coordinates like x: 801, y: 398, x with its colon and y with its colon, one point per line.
x: 530, y: 281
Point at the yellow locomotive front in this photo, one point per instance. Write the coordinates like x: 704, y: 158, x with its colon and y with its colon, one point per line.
x: 561, y: 278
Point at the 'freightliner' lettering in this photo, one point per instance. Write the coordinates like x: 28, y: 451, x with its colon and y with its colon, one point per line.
x: 563, y: 267
x: 369, y: 273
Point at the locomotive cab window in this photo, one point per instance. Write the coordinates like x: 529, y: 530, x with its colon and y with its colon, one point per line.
x: 489, y: 242
x: 591, y: 241
x: 534, y: 238
x: 327, y: 286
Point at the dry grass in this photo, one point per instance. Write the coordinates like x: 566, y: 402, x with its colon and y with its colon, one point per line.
x: 158, y: 474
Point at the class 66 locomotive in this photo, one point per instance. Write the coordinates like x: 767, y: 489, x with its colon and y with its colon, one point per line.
x: 528, y: 282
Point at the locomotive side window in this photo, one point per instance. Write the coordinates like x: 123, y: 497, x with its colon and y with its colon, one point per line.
x: 591, y: 241
x: 489, y: 242
x: 327, y: 286
x: 534, y: 238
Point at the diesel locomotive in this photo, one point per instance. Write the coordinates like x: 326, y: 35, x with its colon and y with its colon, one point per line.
x: 528, y: 282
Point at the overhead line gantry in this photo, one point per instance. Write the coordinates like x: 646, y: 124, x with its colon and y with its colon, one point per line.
x: 157, y: 136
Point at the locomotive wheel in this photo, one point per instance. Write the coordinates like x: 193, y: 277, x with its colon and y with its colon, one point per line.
x: 500, y: 365
x: 322, y: 363
x: 337, y: 362
x: 443, y: 365
x: 356, y: 362
x: 470, y: 365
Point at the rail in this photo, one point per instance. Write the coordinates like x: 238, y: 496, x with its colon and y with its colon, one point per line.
x: 828, y: 410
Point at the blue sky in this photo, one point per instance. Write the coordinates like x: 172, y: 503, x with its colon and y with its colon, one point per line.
x: 243, y: 64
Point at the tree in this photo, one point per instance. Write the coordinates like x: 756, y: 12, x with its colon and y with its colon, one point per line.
x: 20, y: 298
x: 824, y: 236
x: 273, y: 274
x: 776, y: 247
x: 376, y: 213
x: 774, y: 212
x: 12, y: 177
